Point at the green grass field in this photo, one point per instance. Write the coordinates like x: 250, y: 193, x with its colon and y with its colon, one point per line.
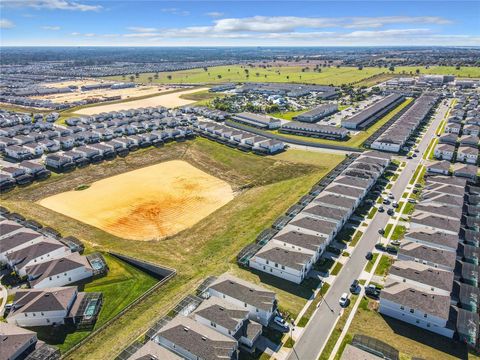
x: 368, y: 76
x: 265, y: 188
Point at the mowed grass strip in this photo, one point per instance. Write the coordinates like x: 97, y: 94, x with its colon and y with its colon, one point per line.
x: 266, y: 187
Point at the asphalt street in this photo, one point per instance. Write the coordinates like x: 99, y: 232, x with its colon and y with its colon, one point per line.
x: 317, y: 332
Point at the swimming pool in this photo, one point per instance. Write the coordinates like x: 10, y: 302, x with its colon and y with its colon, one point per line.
x: 90, y: 309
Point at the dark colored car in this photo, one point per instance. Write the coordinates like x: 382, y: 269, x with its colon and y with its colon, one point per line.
x: 381, y: 231
x: 390, y: 212
x: 355, y: 287
x: 372, y: 291
x: 369, y: 256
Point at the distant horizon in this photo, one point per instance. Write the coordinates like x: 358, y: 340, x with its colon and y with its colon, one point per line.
x: 127, y: 23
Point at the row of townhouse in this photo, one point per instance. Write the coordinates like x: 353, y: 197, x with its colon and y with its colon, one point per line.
x: 291, y: 253
x: 451, y: 146
x: 444, y: 167
x: 34, y: 142
x: 231, y: 318
x: 434, y: 282
x: 372, y: 113
x: 240, y: 139
x: 50, y: 266
x: 23, y: 173
x: 394, y: 138
x: 314, y: 130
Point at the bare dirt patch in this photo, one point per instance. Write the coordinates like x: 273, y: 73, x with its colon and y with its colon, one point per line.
x: 169, y: 100
x: 146, y: 204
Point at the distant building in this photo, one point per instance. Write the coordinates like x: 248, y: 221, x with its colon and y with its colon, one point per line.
x: 317, y: 113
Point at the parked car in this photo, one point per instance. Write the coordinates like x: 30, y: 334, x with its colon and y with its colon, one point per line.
x: 381, y: 209
x: 391, y: 196
x: 381, y: 231
x: 386, y: 202
x: 380, y: 246
x: 390, y: 212
x: 279, y: 321
x: 412, y: 201
x: 395, y: 204
x: 343, y: 300
x: 414, y: 155
x: 392, y: 249
x: 369, y: 256
x: 395, y: 243
x: 355, y: 287
x: 372, y: 291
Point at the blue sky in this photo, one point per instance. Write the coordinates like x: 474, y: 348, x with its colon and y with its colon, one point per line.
x: 239, y: 23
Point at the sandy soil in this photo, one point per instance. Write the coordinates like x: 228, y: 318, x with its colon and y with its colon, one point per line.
x: 138, y: 91
x: 146, y: 204
x: 168, y: 100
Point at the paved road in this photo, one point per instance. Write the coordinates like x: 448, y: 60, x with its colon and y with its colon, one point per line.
x: 318, y: 329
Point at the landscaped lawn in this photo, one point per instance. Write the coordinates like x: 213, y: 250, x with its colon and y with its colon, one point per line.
x: 370, y: 263
x: 383, y: 265
x: 336, y: 269
x: 287, y: 115
x: 398, y: 232
x: 313, y: 305
x: 356, y: 238
x: 265, y: 188
x: 372, y: 212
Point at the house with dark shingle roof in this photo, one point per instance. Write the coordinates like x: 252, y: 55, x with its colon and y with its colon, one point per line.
x: 9, y: 228
x: 442, y: 259
x: 425, y: 309
x: 152, y: 351
x: 422, y: 276
x: 228, y: 319
x: 291, y: 265
x: 433, y: 238
x: 59, y: 272
x: 42, y: 307
x: 192, y: 340
x: 260, y: 302
x: 16, y: 342
x: 18, y: 241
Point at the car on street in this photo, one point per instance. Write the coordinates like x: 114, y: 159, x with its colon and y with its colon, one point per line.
x: 343, y: 300
x: 414, y: 155
x: 381, y: 209
x: 409, y: 157
x: 355, y: 287
x: 390, y: 212
x: 386, y: 202
x: 395, y: 204
x: 279, y: 321
x: 381, y: 231
x: 391, y: 196
x: 369, y: 256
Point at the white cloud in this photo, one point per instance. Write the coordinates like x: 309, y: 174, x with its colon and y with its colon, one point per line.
x: 142, y: 29
x: 52, y: 28
x: 376, y: 22
x: 175, y: 11
x: 214, y: 14
x: 51, y: 5
x: 6, y: 24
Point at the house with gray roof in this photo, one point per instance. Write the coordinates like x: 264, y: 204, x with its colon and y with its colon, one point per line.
x: 433, y: 238
x: 416, y: 306
x: 260, y: 302
x: 192, y: 340
x: 288, y: 264
x: 45, y: 307
x: 16, y: 342
x: 438, y: 258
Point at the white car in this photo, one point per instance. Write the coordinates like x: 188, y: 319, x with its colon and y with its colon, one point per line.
x: 343, y: 300
x: 280, y: 322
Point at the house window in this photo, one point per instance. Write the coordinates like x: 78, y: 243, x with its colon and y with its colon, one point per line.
x: 267, y: 262
x: 424, y: 315
x: 245, y: 304
x: 412, y: 311
x: 283, y: 267
x: 417, y: 321
x: 402, y: 308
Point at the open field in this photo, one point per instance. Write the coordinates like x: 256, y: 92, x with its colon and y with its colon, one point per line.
x: 266, y: 188
x: 145, y: 204
x: 170, y: 100
x: 328, y: 76
x: 122, y: 285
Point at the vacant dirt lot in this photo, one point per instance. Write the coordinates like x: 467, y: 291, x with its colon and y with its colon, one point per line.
x: 170, y: 100
x: 146, y: 204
